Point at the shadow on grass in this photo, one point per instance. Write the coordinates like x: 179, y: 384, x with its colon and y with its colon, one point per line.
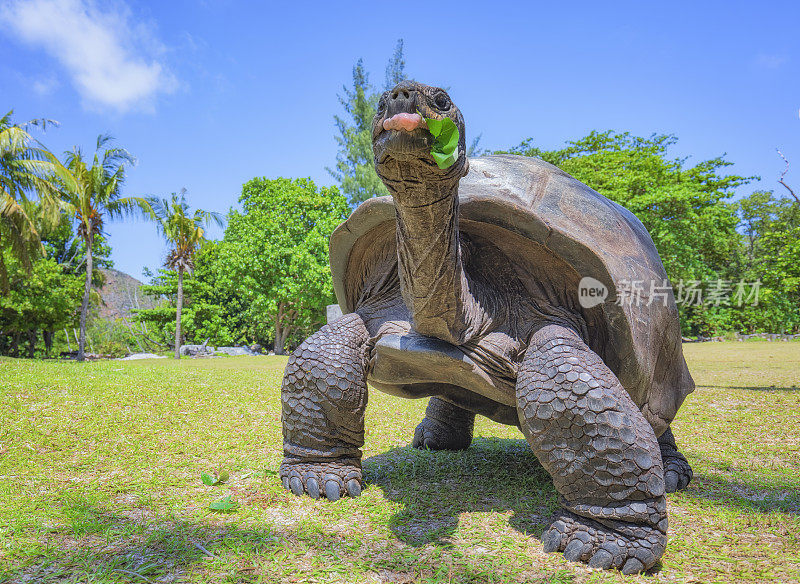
x: 722, y: 484
x: 102, y: 546
x: 762, y: 388
x: 106, y: 547
x: 743, y: 496
x: 435, y: 488
x: 498, y: 475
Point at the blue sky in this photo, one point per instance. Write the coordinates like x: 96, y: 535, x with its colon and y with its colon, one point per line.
x: 208, y: 94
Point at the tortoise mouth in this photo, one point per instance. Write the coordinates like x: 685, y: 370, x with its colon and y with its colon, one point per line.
x: 404, y: 121
x: 394, y: 141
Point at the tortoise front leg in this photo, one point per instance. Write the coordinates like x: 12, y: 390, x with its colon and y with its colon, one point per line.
x: 600, y: 450
x: 324, y: 397
x: 445, y: 427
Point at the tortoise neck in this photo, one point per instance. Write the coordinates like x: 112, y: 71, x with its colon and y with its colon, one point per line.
x: 432, y: 279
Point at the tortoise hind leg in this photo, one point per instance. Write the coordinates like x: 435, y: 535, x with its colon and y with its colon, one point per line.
x: 445, y: 427
x: 324, y: 397
x: 600, y: 450
x: 677, y: 472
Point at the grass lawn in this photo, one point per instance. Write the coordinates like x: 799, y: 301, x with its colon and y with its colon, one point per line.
x: 100, y: 469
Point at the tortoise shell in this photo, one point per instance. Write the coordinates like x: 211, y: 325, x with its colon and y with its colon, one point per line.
x: 558, y: 231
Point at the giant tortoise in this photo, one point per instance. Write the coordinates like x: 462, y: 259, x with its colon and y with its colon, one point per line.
x: 465, y: 285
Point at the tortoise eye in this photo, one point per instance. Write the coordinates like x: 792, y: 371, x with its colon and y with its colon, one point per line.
x: 442, y: 102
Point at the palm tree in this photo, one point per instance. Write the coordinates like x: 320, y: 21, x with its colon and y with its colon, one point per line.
x: 92, y: 193
x: 183, y: 230
x: 26, y: 168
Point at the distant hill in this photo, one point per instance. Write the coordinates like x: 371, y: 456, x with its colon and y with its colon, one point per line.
x: 120, y: 294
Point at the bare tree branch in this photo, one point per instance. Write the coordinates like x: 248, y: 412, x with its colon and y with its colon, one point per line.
x: 785, y: 170
x: 143, y: 335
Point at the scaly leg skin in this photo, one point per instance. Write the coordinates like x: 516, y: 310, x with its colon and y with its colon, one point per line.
x: 677, y: 472
x: 445, y: 427
x: 601, y: 452
x: 324, y: 397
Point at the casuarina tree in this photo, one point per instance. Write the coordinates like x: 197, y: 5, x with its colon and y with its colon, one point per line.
x: 355, y: 168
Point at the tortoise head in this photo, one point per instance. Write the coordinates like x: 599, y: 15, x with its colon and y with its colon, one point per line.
x: 401, y: 141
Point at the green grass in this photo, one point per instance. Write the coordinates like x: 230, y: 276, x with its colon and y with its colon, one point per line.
x: 100, y: 469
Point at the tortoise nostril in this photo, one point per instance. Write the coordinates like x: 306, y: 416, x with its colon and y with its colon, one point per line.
x: 405, y: 94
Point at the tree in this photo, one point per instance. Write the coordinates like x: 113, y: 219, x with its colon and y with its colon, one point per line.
x: 45, y: 296
x: 26, y: 168
x: 771, y: 228
x: 201, y: 317
x: 395, y: 68
x: 782, y: 244
x: 355, y: 164
x: 40, y: 297
x: 91, y: 193
x: 183, y: 230
x: 275, y: 255
x: 781, y: 273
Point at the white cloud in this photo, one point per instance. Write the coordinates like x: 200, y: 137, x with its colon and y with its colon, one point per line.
x: 770, y: 60
x: 45, y: 85
x: 111, y: 60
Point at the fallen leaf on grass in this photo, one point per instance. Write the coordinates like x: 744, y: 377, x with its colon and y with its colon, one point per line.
x: 213, y: 481
x: 224, y: 504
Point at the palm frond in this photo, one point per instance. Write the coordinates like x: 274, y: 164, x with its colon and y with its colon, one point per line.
x: 26, y: 168
x: 181, y: 227
x: 94, y: 189
x: 131, y: 207
x: 209, y: 217
x: 14, y: 213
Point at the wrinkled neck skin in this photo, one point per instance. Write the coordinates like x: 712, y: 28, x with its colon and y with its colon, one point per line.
x: 432, y: 280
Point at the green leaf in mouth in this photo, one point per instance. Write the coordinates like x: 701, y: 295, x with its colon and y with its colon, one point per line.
x: 445, y: 143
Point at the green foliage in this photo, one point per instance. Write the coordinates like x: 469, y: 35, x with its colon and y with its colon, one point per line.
x: 201, y: 317
x: 219, y: 289
x: 108, y: 337
x: 396, y: 67
x: 771, y: 230
x: 69, y: 250
x: 183, y: 230
x: 355, y: 164
x: 268, y: 281
x: 44, y: 298
x: 274, y: 256
x: 93, y: 190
